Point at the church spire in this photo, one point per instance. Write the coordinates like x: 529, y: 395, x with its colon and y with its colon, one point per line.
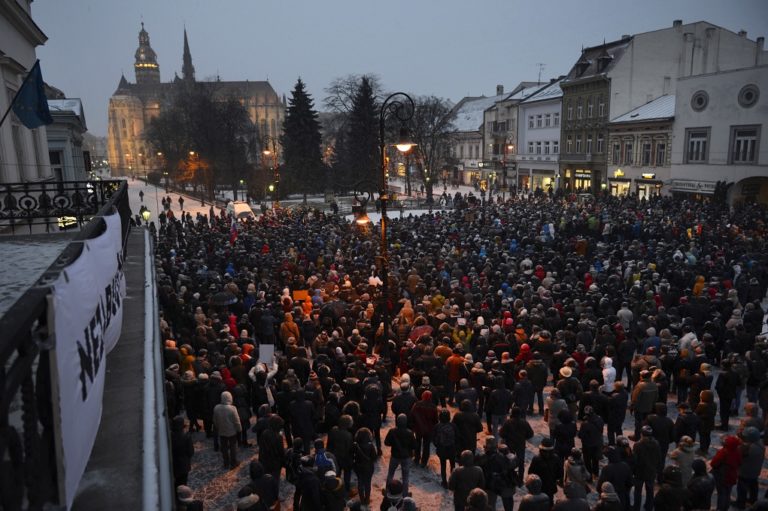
x: 187, y: 69
x: 146, y: 67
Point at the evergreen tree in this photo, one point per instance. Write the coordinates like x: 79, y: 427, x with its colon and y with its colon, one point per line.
x: 301, y: 140
x: 359, y: 154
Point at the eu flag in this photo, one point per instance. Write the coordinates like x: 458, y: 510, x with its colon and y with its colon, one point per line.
x: 30, y: 104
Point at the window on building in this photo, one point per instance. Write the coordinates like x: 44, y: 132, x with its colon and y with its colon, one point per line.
x: 590, y: 108
x: 600, y: 107
x: 628, y: 148
x: 570, y: 111
x: 530, y: 121
x: 661, y: 154
x: 616, y: 156
x: 556, y: 119
x: 579, y: 110
x: 546, y: 147
x: 530, y: 147
x: 697, y: 144
x: 538, y: 121
x: 744, y: 144
x: 646, y: 155
x: 57, y: 164
x: 569, y: 145
x: 589, y: 144
x: 600, y: 143
x: 578, y: 144
x: 556, y: 147
x: 538, y: 147
x: 547, y: 120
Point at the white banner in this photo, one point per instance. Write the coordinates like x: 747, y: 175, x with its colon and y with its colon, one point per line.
x: 88, y: 314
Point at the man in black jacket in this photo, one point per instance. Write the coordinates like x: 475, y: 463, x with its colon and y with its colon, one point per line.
x: 686, y: 424
x: 591, y: 436
x: 645, y: 455
x: 515, y: 432
x: 469, y: 425
x: 464, y: 479
x: 403, y: 444
x: 548, y: 467
x: 617, y: 410
x: 404, y: 401
x: 618, y: 473
x: 663, y: 429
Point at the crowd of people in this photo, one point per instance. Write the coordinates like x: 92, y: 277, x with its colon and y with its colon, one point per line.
x: 635, y: 328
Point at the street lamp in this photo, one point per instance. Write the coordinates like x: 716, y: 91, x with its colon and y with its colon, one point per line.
x: 276, y: 174
x: 145, y: 215
x: 401, y: 105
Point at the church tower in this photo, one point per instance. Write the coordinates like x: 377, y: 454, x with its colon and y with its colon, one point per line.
x: 146, y: 67
x: 187, y: 69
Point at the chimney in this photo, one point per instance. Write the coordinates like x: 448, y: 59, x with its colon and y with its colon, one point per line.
x: 760, y: 43
x: 499, y: 90
x: 677, y: 23
x: 742, y: 33
x: 626, y: 36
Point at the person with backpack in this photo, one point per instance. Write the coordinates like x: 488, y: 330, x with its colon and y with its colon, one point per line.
x: 464, y: 479
x: 309, y: 482
x: 445, y: 439
x: 324, y: 461
x: 364, y: 456
x: 403, y: 446
x: 498, y: 472
x: 515, y: 432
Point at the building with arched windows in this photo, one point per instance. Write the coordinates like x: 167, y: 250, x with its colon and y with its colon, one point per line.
x: 133, y: 105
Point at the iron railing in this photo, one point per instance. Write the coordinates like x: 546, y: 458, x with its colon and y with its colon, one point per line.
x: 52, y: 205
x: 28, y: 458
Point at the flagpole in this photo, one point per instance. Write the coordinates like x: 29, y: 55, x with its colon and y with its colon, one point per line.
x: 37, y: 63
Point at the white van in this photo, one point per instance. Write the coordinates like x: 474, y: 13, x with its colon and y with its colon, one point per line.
x: 240, y: 210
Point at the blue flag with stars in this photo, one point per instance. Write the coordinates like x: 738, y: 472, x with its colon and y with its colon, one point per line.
x: 30, y: 104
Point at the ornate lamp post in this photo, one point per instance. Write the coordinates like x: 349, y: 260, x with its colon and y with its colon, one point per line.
x: 401, y: 106
x: 276, y: 173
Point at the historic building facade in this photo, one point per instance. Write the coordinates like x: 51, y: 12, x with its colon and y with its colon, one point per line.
x: 133, y: 105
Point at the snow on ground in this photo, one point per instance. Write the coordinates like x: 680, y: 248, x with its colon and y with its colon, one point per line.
x: 218, y: 487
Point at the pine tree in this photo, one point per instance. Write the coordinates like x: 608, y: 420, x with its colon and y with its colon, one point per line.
x: 301, y: 145
x: 360, y: 156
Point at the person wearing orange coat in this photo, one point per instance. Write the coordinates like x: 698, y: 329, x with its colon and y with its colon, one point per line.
x: 725, y: 467
x: 289, y: 328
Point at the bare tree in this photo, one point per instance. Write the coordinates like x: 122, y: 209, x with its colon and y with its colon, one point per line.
x: 431, y: 129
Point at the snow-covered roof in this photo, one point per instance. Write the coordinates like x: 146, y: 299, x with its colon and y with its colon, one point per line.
x: 662, y: 107
x: 523, y: 93
x: 552, y: 91
x: 469, y: 116
x: 66, y: 105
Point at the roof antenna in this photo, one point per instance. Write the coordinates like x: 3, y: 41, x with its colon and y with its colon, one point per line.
x: 541, y: 68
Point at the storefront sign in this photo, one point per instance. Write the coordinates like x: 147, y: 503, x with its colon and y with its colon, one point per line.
x: 88, y: 316
x: 682, y: 185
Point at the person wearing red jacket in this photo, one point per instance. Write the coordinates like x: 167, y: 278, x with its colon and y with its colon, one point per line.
x: 423, y: 420
x: 725, y: 467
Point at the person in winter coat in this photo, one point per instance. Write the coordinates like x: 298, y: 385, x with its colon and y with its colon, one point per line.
x: 271, y: 449
x: 706, y: 410
x: 538, y: 374
x: 687, y: 423
x: 226, y: 422
x: 701, y: 487
x: 212, y: 396
x: 617, y: 410
x: 547, y: 465
x: 303, y: 419
x: 522, y: 393
x: 182, y: 450
x: 565, y: 434
x: 370, y: 412
x: 535, y: 500
x: 288, y: 329
x: 464, y: 479
x: 497, y: 407
x: 403, y: 444
x: 515, y: 432
x: 445, y: 438
x: 727, y: 386
x: 332, y: 493
x: 672, y: 495
x: 644, y: 397
x: 752, y: 457
x: 340, y: 443
x: 619, y: 474
x: 555, y: 404
x: 591, y: 436
x: 240, y: 401
x: 423, y: 420
x: 663, y: 428
x: 309, y: 483
x: 364, y: 455
x: 725, y: 468
x: 575, y: 499
x: 683, y: 457
x: 645, y: 455
x: 574, y: 470
x: 498, y: 473
x: 609, y: 500
x: 261, y: 484
x: 469, y: 425
x: 404, y: 401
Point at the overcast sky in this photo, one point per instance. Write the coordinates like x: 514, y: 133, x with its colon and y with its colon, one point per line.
x: 447, y: 48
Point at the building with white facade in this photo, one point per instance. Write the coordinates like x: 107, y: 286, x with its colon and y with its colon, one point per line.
x: 639, y: 148
x: 65, y: 140
x: 23, y: 152
x: 538, y: 140
x: 467, y: 140
x: 721, y: 123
